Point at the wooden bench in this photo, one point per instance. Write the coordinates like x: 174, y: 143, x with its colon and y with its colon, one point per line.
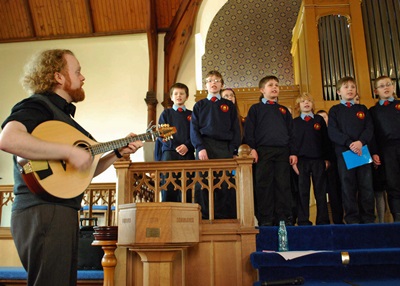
x: 17, y: 276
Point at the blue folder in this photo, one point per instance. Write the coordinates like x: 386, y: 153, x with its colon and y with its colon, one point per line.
x: 352, y: 160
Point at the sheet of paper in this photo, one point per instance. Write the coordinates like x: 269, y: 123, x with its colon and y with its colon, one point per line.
x: 352, y: 160
x: 288, y: 255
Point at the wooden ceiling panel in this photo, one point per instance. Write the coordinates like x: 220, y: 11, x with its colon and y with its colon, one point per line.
x: 27, y: 20
x: 62, y: 17
x: 110, y: 16
x: 15, y: 20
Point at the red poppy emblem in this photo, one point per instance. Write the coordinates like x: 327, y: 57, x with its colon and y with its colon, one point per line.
x: 397, y: 106
x: 224, y: 108
x: 360, y: 115
x: 282, y: 110
x: 189, y: 117
x: 317, y: 126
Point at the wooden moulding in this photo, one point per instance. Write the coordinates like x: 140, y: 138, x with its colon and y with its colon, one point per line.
x: 158, y: 224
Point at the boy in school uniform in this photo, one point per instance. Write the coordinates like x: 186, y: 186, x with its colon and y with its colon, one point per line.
x: 386, y: 118
x: 269, y: 132
x: 215, y: 134
x: 229, y: 94
x: 332, y: 180
x: 313, y: 152
x: 180, y: 146
x: 350, y: 128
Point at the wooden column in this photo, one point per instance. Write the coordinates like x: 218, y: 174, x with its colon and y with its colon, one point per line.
x: 158, y: 265
x: 152, y: 34
x: 109, y: 260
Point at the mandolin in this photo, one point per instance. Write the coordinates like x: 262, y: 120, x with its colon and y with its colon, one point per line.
x: 59, y: 178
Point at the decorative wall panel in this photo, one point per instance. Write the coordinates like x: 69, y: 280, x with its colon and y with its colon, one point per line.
x: 249, y: 39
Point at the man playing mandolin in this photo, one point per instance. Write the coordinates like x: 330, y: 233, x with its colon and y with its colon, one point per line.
x: 45, y: 226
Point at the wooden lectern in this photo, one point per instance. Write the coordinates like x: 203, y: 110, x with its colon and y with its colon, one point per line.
x: 158, y: 232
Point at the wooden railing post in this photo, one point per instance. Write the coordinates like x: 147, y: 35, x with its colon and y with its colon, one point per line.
x: 245, y: 187
x: 121, y: 197
x: 109, y: 260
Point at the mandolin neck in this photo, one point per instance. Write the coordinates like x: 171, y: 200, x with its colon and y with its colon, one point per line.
x: 115, y: 144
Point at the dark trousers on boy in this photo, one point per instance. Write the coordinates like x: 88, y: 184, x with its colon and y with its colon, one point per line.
x: 334, y: 191
x: 315, y: 169
x: 172, y: 195
x: 357, y: 184
x: 273, y: 186
x: 224, y: 198
x: 391, y: 159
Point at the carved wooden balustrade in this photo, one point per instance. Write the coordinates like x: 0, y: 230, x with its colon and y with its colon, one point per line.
x: 144, y: 181
x: 224, y: 246
x: 6, y: 197
x: 100, y: 198
x: 95, y: 196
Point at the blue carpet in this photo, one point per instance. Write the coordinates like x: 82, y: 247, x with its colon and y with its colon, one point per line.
x: 373, y: 250
x: 19, y: 273
x: 382, y: 282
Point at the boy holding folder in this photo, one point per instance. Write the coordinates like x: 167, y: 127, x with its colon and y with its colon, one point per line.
x: 350, y: 128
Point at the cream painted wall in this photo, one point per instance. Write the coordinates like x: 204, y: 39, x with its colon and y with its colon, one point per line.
x: 116, y: 70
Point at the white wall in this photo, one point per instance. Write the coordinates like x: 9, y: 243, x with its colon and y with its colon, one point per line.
x: 116, y: 70
x: 189, y: 71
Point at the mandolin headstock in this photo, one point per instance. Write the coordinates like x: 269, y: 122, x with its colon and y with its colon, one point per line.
x: 164, y: 131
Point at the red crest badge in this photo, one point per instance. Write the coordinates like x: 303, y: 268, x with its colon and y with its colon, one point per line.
x: 224, y: 108
x: 282, y: 110
x: 360, y: 115
x: 189, y: 117
x: 317, y: 126
x: 397, y: 106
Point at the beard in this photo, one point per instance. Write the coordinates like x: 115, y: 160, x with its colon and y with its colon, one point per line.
x: 77, y: 94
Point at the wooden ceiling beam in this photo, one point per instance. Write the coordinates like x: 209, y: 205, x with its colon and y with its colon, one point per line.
x: 30, y: 18
x: 152, y: 40
x: 176, y: 41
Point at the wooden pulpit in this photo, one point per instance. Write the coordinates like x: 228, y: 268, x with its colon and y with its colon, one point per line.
x: 158, y: 232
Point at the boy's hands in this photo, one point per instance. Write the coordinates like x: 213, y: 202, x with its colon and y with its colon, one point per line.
x: 356, y: 147
x: 376, y: 159
x: 203, y: 155
x: 293, y: 159
x: 295, y: 169
x: 182, y: 149
x: 254, y: 153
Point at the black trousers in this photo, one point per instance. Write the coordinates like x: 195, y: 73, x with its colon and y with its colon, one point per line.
x: 334, y: 191
x: 46, y: 237
x: 312, y: 169
x: 273, y: 187
x: 357, y: 193
x: 170, y: 194
x: 391, y: 160
x: 224, y: 197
